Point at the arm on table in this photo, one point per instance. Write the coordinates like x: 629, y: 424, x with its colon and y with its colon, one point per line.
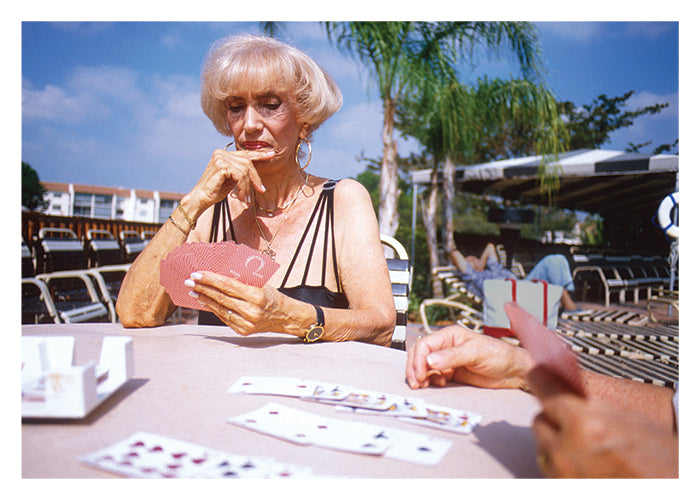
x: 468, y: 357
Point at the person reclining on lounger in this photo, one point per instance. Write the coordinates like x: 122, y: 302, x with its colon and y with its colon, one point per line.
x: 554, y: 269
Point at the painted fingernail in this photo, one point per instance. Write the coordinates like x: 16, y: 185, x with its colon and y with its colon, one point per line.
x: 189, y: 283
x: 196, y: 276
x: 193, y: 294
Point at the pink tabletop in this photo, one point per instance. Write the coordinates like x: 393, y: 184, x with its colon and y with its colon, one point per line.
x: 179, y: 390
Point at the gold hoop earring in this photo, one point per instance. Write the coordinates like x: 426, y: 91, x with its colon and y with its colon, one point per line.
x: 229, y: 145
x: 296, y: 156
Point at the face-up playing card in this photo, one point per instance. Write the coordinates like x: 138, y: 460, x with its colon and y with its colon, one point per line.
x: 400, y: 407
x: 418, y: 448
x: 282, y: 422
x: 359, y: 398
x: 448, y: 419
x: 226, y: 258
x: 354, y: 437
x: 330, y: 392
x: 279, y: 386
x: 305, y: 428
x: 547, y: 349
x: 146, y: 455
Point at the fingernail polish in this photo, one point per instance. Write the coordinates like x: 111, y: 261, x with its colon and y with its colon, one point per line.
x: 193, y: 294
x: 196, y: 276
x: 189, y: 283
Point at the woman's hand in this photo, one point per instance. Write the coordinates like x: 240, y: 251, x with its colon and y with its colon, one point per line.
x: 248, y: 309
x: 467, y: 357
x: 226, y: 172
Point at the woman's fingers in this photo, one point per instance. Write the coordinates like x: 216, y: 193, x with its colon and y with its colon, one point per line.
x: 252, y: 156
x: 232, y: 171
x: 238, y: 305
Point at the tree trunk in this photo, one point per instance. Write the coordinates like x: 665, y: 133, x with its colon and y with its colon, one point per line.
x: 389, y: 177
x: 448, y: 194
x: 430, y: 221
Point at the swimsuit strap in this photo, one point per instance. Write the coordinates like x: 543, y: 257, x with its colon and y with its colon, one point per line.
x: 221, y: 213
x: 324, y: 206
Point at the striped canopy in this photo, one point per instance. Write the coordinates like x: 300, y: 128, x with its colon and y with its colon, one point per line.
x: 593, y: 180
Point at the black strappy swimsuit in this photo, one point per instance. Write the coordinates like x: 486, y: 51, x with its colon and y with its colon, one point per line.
x: 321, y: 218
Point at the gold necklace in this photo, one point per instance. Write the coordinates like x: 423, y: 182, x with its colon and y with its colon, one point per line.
x: 268, y: 250
x: 271, y: 212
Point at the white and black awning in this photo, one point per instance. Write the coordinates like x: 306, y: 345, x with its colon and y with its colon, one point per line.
x: 595, y: 180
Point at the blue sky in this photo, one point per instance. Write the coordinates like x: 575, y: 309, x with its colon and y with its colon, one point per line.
x: 117, y: 103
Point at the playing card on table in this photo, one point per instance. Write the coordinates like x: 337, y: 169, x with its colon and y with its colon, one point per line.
x: 354, y: 437
x: 546, y: 348
x: 306, y: 428
x: 418, y: 448
x: 360, y: 398
x: 226, y: 258
x: 279, y: 386
x: 282, y: 422
x: 146, y: 455
x: 329, y: 392
x: 448, y: 419
x: 399, y: 407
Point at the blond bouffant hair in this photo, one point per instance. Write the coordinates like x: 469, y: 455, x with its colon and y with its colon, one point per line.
x: 261, y: 64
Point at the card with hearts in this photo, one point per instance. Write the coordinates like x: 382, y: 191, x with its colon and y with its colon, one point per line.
x: 148, y: 455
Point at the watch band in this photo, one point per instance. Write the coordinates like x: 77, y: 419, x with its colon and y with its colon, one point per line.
x: 316, y: 330
x: 320, y: 318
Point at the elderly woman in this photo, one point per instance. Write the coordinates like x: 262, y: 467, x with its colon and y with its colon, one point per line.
x: 269, y: 97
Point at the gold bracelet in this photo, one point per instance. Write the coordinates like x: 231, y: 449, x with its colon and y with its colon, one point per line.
x: 177, y: 226
x: 187, y: 217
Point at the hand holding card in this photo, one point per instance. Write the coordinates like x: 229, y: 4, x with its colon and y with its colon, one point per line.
x: 226, y: 258
x: 549, y: 351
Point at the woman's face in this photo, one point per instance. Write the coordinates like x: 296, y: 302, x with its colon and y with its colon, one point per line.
x: 264, y: 121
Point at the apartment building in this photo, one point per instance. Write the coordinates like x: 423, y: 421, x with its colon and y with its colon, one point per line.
x: 138, y: 205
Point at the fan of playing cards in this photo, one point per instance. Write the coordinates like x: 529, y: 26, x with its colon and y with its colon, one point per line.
x: 227, y: 258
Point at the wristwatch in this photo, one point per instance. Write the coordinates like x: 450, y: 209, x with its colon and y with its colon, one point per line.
x: 315, y: 331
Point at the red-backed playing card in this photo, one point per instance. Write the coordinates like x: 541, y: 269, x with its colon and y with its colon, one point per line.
x: 548, y: 350
x: 226, y: 258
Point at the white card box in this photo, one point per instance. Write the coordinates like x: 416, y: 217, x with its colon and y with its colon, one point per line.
x: 53, y: 387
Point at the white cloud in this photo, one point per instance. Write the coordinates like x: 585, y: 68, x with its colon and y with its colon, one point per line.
x: 54, y: 103
x: 85, y: 97
x: 660, y: 128
x: 643, y: 98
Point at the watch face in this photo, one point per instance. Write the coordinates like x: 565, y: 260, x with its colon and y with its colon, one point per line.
x: 314, y: 334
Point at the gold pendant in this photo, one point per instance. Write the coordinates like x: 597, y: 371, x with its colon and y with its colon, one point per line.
x: 270, y: 252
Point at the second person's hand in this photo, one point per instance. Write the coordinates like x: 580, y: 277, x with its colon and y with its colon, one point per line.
x: 467, y: 357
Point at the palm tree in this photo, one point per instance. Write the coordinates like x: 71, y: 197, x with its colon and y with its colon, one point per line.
x: 450, y: 121
x: 410, y: 58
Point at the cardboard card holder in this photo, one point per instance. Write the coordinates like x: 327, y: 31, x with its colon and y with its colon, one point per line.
x: 54, y: 387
